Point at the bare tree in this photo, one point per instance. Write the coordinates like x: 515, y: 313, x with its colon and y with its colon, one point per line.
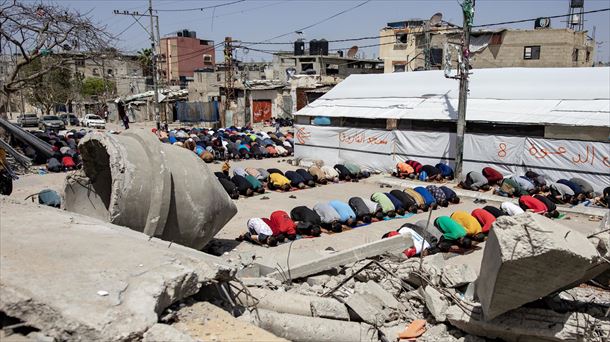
x: 33, y: 31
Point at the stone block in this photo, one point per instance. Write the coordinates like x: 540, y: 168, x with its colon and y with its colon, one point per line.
x: 457, y: 275
x: 527, y: 324
x: 436, y: 303
x: 367, y: 307
x: 528, y: 257
x: 375, y: 290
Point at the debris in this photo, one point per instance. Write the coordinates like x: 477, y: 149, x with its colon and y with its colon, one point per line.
x: 291, y: 303
x: 375, y: 290
x: 54, y: 262
x: 368, y: 308
x: 320, y: 279
x: 527, y: 257
x: 164, y: 332
x: 436, y: 303
x: 102, y: 293
x: 527, y: 324
x: 207, y: 322
x: 457, y: 275
x: 312, y: 329
x: 394, y: 244
x: 134, y: 180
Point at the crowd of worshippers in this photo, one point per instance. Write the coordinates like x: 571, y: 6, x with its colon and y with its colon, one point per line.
x: 336, y: 216
x: 230, y: 143
x: 461, y: 230
x: 564, y: 191
x: 64, y: 147
x: 427, y: 173
x: 250, y: 180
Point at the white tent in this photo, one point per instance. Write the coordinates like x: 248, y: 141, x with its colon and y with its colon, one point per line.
x: 578, y: 97
x: 559, y: 96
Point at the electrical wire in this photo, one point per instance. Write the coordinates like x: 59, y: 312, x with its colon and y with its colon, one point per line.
x: 534, y: 19
x: 198, y: 8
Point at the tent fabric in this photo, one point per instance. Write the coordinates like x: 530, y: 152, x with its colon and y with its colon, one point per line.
x: 380, y: 150
x: 559, y: 96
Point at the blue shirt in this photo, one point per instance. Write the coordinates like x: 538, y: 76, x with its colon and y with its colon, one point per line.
x: 575, y: 187
x: 397, y: 203
x: 449, y: 194
x: 446, y: 170
x: 428, y: 198
x: 343, y: 209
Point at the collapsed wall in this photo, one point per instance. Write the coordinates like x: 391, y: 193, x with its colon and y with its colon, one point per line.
x: 134, y: 180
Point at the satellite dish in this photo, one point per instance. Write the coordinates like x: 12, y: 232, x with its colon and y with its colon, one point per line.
x: 352, y: 51
x: 436, y: 19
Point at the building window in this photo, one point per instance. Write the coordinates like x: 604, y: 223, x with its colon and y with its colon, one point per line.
x: 588, y: 56
x: 79, y: 62
x: 420, y: 41
x: 207, y: 59
x: 531, y: 52
x: 402, y: 38
x: 306, y: 66
x: 109, y: 72
x: 400, y: 67
x: 94, y: 71
x: 575, y: 55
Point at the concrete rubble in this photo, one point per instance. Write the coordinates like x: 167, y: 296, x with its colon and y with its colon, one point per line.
x: 527, y: 324
x: 77, y: 278
x: 386, y: 293
x: 134, y: 180
x: 528, y: 257
x: 164, y: 332
x: 132, y: 287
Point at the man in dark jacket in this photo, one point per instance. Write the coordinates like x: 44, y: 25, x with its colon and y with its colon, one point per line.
x: 244, y: 187
x: 229, y: 187
x: 363, y: 212
x: 295, y: 179
x: 307, y: 177
x: 308, y: 221
x: 408, y: 202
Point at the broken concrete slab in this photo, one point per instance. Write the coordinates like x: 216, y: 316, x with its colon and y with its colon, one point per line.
x: 374, y: 289
x: 367, y: 308
x: 204, y: 321
x: 436, y: 303
x: 526, y: 324
x: 393, y: 244
x: 293, y: 303
x: 457, y: 275
x: 134, y: 180
x: 431, y: 265
x: 310, y: 329
x: 54, y: 263
x: 164, y: 332
x: 528, y: 257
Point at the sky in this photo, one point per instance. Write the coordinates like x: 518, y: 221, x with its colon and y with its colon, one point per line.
x: 259, y: 20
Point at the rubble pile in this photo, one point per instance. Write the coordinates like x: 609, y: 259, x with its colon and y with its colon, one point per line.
x: 525, y: 291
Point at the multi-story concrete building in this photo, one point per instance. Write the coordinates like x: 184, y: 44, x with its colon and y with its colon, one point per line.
x: 182, y: 54
x: 124, y: 71
x: 403, y: 47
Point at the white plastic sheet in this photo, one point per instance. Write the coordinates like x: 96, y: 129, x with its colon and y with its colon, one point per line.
x: 558, y: 96
x: 380, y: 150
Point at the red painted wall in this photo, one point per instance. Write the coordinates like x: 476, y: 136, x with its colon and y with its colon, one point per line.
x: 188, y: 54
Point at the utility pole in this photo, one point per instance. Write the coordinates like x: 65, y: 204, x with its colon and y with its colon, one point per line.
x: 464, y: 68
x: 151, y: 31
x: 229, y: 77
x: 427, y: 46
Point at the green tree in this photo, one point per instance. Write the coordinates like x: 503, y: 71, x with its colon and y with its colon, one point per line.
x: 145, y: 57
x: 95, y: 86
x: 50, y: 88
